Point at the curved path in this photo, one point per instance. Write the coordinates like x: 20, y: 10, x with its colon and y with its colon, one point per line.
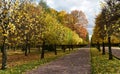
x: 75, y: 63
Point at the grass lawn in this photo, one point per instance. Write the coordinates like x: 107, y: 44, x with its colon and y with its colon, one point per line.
x: 20, y: 64
x: 101, y: 64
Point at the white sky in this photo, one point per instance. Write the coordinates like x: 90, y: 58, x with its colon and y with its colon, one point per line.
x: 90, y: 7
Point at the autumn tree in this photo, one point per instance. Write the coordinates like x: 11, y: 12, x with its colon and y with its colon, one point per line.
x: 24, y: 24
x: 43, y: 4
x: 110, y: 19
x: 107, y: 23
x: 7, y: 27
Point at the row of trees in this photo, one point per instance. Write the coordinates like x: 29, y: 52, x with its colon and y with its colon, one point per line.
x: 24, y: 23
x: 107, y: 28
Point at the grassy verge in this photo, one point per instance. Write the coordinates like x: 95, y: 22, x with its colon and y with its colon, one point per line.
x: 20, y: 69
x: 101, y: 64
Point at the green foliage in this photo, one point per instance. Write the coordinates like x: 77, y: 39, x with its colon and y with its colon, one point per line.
x: 58, y: 34
x: 102, y: 65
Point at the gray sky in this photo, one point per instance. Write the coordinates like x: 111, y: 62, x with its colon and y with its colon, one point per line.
x: 90, y: 7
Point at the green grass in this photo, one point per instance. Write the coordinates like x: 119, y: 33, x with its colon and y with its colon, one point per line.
x: 101, y: 64
x: 21, y: 69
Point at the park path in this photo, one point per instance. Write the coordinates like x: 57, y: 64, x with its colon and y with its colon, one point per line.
x: 75, y: 63
x: 116, y: 52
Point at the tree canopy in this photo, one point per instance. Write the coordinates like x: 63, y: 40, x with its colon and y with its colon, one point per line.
x: 108, y: 22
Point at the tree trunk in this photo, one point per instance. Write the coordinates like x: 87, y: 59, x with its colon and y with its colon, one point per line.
x: 29, y: 48
x: 39, y: 48
x: 63, y: 48
x: 42, y: 52
x: 26, y: 48
x: 103, y: 44
x: 8, y: 47
x: 110, y: 51
x: 72, y: 47
x: 14, y: 48
x: 98, y: 46
x: 55, y: 49
x: 4, y: 56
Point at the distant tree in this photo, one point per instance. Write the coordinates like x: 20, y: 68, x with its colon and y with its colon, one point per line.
x: 43, y: 4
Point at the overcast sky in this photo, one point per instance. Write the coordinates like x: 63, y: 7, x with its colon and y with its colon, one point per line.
x: 90, y: 7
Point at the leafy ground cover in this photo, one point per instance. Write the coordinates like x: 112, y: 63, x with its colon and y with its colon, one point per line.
x: 101, y: 64
x: 19, y: 63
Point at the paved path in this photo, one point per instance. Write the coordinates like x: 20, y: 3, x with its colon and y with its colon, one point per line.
x: 75, y: 63
x: 116, y: 51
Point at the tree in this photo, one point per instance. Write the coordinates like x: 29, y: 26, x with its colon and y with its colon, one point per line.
x: 6, y: 26
x: 77, y: 21
x: 22, y: 23
x: 109, y: 18
x: 106, y: 23
x: 43, y: 4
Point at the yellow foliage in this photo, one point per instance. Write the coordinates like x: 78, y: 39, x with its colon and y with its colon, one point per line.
x: 5, y: 35
x: 11, y: 27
